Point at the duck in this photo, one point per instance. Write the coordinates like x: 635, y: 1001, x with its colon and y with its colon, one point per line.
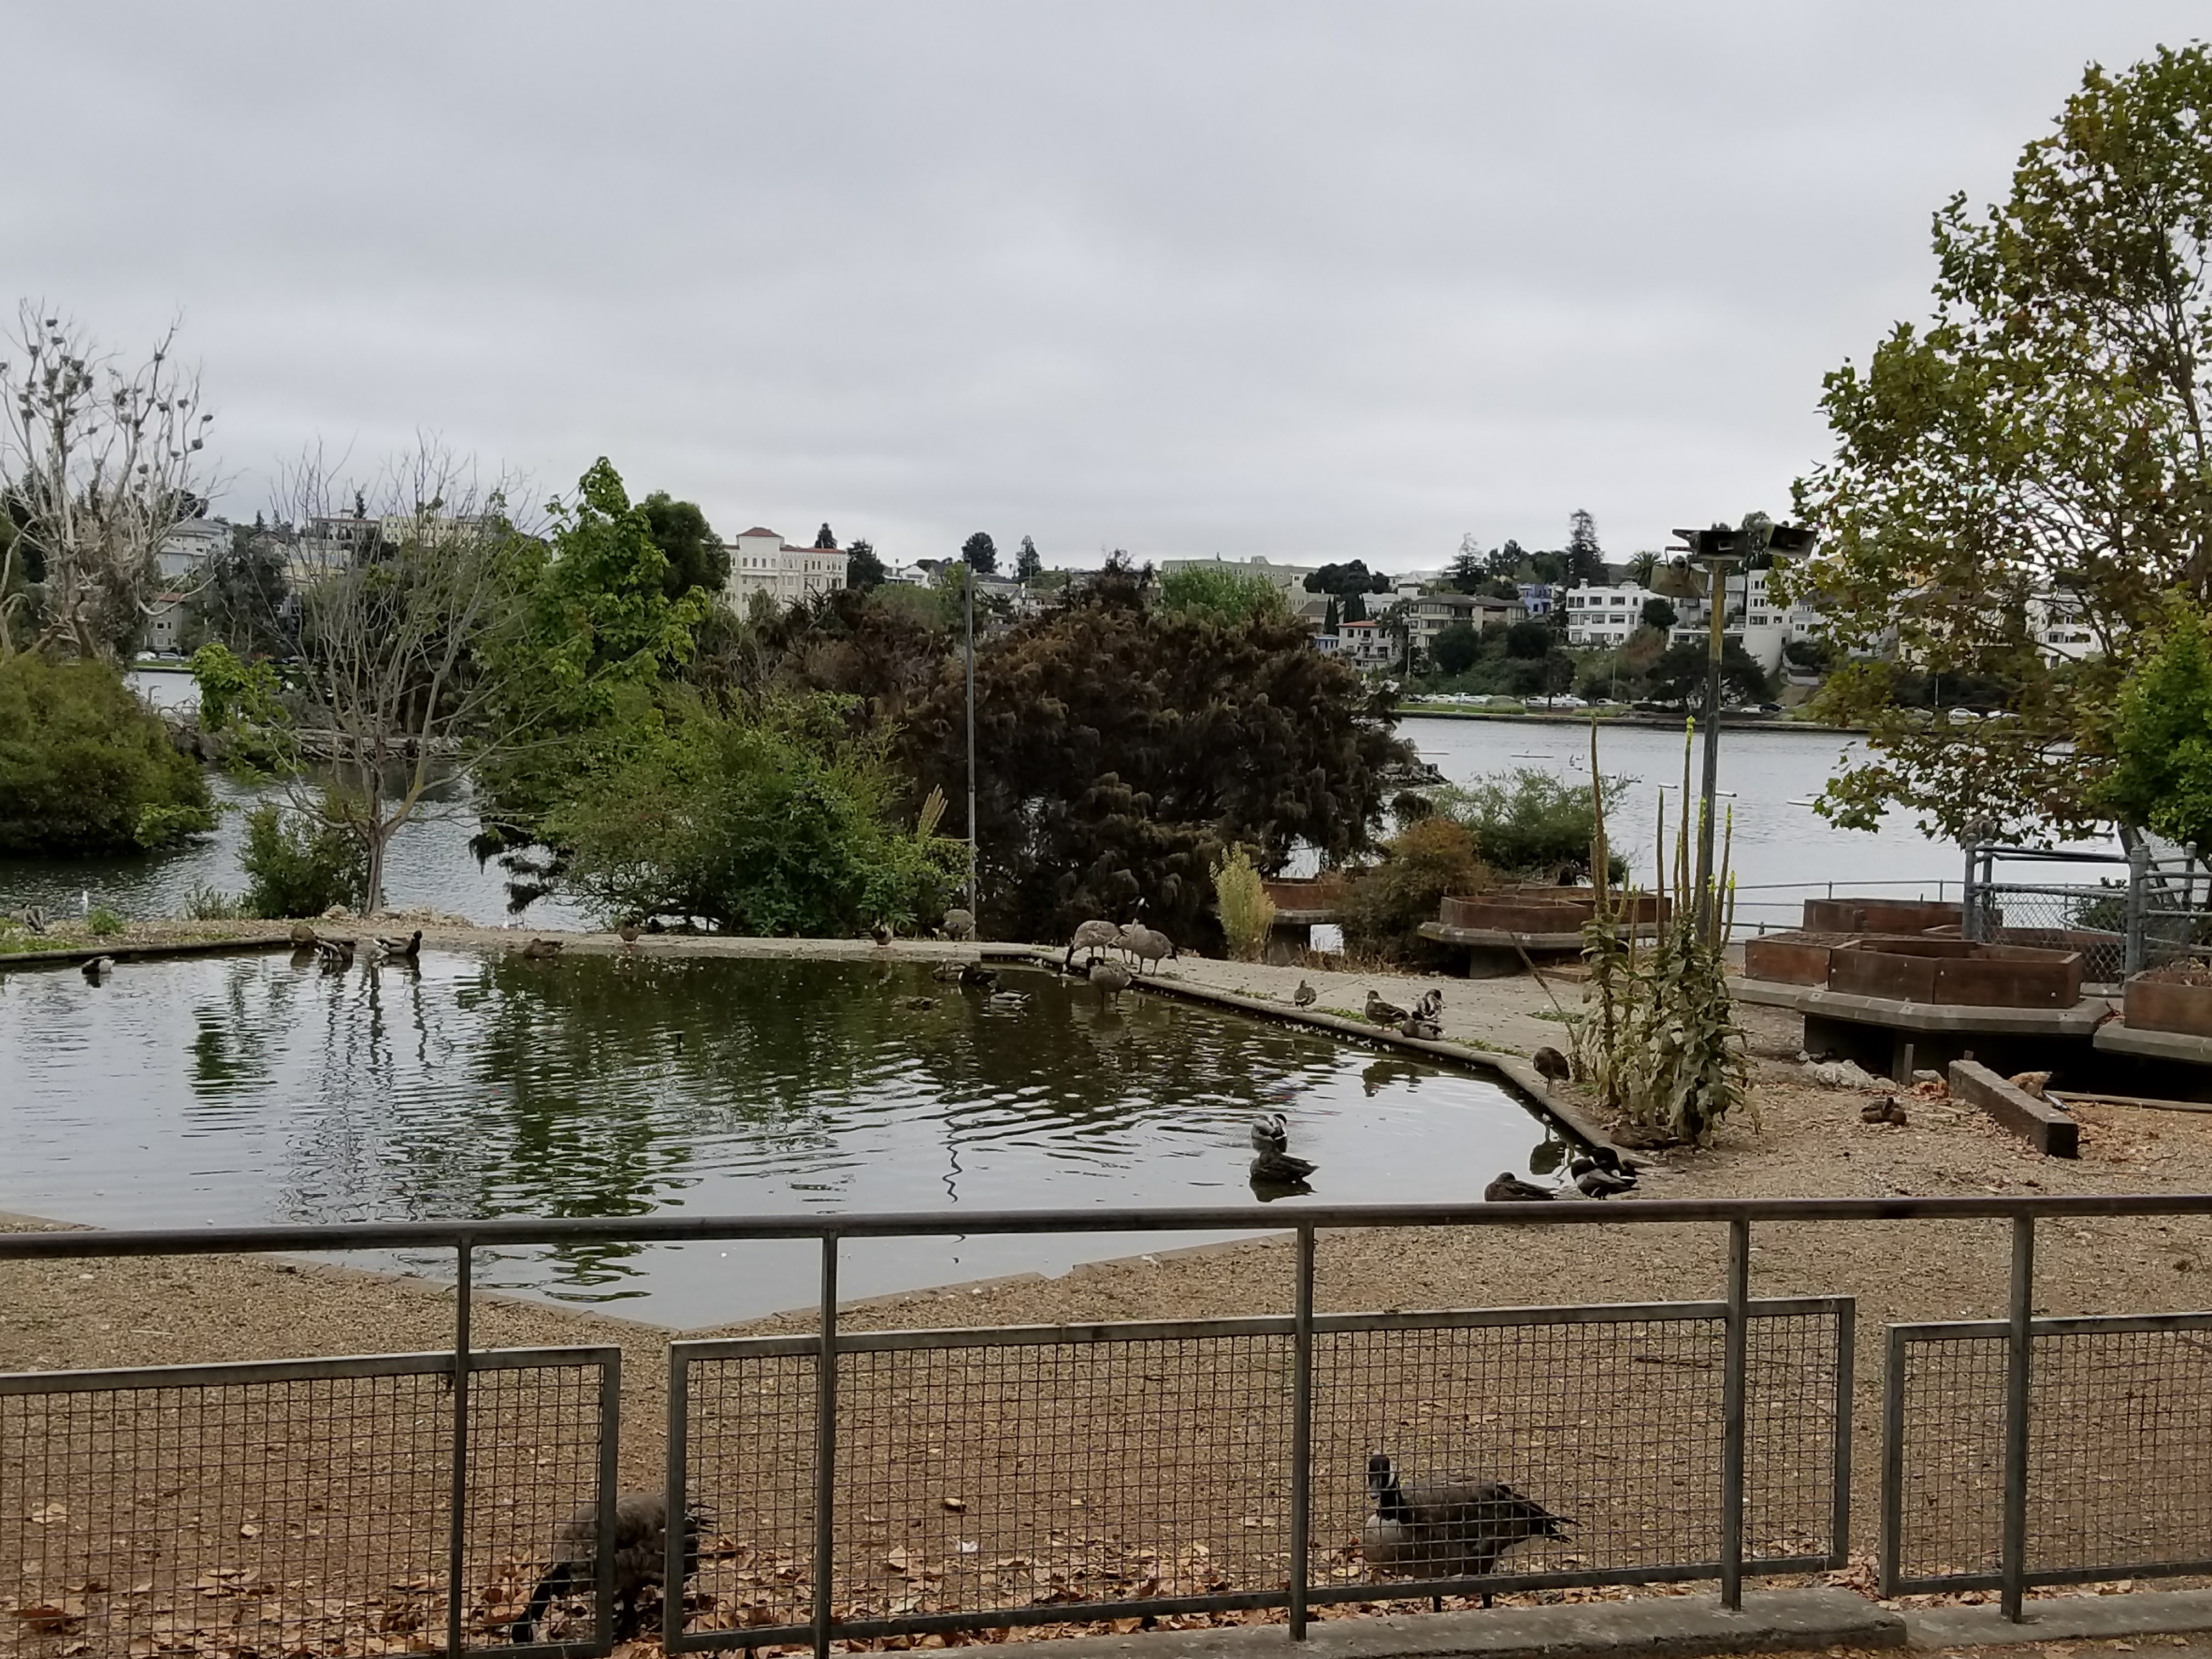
x: 628, y: 933
x: 1426, y: 1030
x: 34, y: 918
x: 336, y: 955
x: 975, y: 976
x: 948, y: 971
x: 1430, y: 1007
x: 1380, y: 1012
x: 405, y: 949
x: 1885, y: 1110
x: 1509, y: 1188
x: 1007, y: 1002
x: 1109, y: 978
x: 1446, y: 1528
x: 1551, y: 1064
x: 881, y: 933
x: 1095, y: 938
x: 1304, y: 996
x: 916, y: 1005
x: 98, y: 969
x: 1594, y: 1179
x: 543, y: 949
x: 1274, y: 1166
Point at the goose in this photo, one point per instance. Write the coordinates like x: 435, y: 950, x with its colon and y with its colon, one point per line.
x: 1447, y: 1528
x: 543, y: 949
x: 1095, y: 938
x: 1509, y: 1188
x: 34, y: 918
x: 1380, y: 1012
x: 1426, y: 1030
x: 98, y: 967
x: 628, y: 933
x: 1145, y: 944
x: 1551, y: 1064
x: 1304, y: 996
x: 1274, y: 1166
x: 641, y: 1560
x: 959, y: 924
x: 405, y: 949
x: 1110, y: 978
x: 303, y: 934
x: 373, y: 950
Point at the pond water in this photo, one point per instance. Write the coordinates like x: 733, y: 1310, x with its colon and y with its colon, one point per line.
x: 245, y: 1088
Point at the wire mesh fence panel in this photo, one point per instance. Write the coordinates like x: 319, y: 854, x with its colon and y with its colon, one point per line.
x: 2120, y: 1450
x: 295, y: 1514
x: 747, y: 1429
x: 1797, y: 1435
x: 2092, y: 920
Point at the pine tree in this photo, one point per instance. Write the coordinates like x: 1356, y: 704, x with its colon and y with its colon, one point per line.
x: 982, y: 554
x: 1585, y: 560
x: 823, y: 538
x: 1028, y: 563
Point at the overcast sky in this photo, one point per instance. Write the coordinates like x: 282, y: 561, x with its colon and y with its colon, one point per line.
x: 1302, y: 281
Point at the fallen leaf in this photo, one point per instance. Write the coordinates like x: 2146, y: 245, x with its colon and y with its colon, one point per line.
x: 46, y: 1514
x: 248, y: 1529
x: 957, y: 1505
x: 46, y: 1618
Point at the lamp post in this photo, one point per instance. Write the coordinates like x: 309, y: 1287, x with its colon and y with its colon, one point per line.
x: 967, y: 591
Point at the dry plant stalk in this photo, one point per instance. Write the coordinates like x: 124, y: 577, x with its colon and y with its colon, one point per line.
x: 1247, y: 912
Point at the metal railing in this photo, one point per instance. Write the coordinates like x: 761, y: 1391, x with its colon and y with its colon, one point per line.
x: 860, y: 1483
x: 2156, y: 911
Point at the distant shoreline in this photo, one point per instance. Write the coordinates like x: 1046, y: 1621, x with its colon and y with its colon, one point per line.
x: 1660, y: 722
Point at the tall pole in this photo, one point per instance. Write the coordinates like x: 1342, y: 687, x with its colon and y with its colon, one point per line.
x: 1709, y: 908
x: 967, y: 588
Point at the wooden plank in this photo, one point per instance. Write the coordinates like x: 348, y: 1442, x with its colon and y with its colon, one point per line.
x: 2149, y: 1104
x: 2042, y: 1125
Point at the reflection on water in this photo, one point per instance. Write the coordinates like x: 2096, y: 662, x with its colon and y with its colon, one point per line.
x: 247, y: 1089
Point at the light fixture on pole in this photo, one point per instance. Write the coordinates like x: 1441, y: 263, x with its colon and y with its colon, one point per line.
x: 968, y: 589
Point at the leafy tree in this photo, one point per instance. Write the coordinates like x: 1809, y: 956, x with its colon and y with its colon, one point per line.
x: 299, y: 862
x: 242, y: 600
x: 1467, y: 573
x: 1813, y: 654
x: 1347, y: 580
x: 1122, y: 746
x: 2044, y: 433
x: 1221, y: 592
x: 1640, y: 569
x: 1659, y: 614
x: 1386, y: 903
x: 696, y: 556
x: 1679, y: 676
x: 1585, y: 559
x: 1527, y: 639
x: 1455, y: 647
x: 775, y: 817
x: 981, y: 554
x: 1530, y: 824
x: 1355, y: 607
x: 86, y: 768
x: 1029, y: 563
x: 823, y: 538
x: 1506, y: 562
x: 863, y: 569
x: 2162, y: 776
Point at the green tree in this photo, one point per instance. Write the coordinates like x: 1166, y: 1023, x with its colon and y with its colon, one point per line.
x: 1347, y: 580
x: 86, y: 768
x: 2044, y: 433
x: 2162, y: 775
x: 1680, y: 675
x: 696, y: 556
x: 1659, y: 614
x: 1029, y: 563
x: 823, y: 538
x: 1530, y: 824
x: 1640, y: 569
x: 1505, y: 562
x: 863, y: 569
x: 1585, y: 560
x: 1455, y: 647
x: 241, y: 600
x: 1221, y: 592
x: 1527, y: 639
x: 300, y: 861
x: 981, y: 554
x: 1335, y: 617
x: 1386, y: 903
x: 1467, y: 574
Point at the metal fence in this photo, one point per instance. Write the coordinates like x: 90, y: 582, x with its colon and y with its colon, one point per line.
x: 2150, y: 911
x: 851, y: 1485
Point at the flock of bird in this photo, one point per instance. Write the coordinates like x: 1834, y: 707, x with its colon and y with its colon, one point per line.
x: 1423, y: 1531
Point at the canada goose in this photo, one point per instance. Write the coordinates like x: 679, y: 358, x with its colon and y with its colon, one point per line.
x: 34, y: 918
x: 881, y: 933
x: 1426, y: 1029
x: 1109, y: 978
x: 1144, y: 945
x: 543, y: 949
x: 1094, y: 937
x: 959, y: 924
x: 628, y: 933
x: 98, y: 967
x: 1380, y: 1012
x: 1446, y: 1528
x: 1509, y: 1188
x: 303, y: 933
x: 1551, y: 1064
x: 1594, y: 1179
x: 1304, y: 996
x: 1274, y: 1166
x: 405, y: 949
x: 640, y: 1560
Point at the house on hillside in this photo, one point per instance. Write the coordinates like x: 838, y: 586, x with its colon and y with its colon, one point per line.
x: 761, y: 562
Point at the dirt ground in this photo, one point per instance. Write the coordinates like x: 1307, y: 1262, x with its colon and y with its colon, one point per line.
x: 1592, y: 1442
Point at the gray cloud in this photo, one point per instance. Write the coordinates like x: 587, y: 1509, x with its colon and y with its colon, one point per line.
x: 1248, y: 279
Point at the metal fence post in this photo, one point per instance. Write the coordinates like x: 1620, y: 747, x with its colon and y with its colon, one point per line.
x: 1733, y: 1412
x: 2138, y: 907
x: 825, y: 1452
x: 2014, y: 1561
x: 457, y: 1522
x: 1301, y: 1428
x: 1970, y: 901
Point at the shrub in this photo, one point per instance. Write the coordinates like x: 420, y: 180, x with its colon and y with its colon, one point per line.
x: 1247, y: 912
x: 103, y: 923
x: 1221, y: 593
x: 87, y: 767
x: 205, y: 904
x: 299, y: 864
x: 1530, y: 824
x: 1385, y: 904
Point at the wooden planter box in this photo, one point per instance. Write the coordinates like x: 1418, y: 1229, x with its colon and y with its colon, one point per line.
x: 1508, y: 913
x: 1955, y: 971
x: 1876, y: 915
x: 1307, y: 893
x: 1798, y: 958
x: 2153, y: 1004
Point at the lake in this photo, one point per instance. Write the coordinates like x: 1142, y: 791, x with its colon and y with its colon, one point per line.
x: 248, y: 1089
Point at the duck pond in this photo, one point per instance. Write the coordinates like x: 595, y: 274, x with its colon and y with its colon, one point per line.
x: 252, y: 1088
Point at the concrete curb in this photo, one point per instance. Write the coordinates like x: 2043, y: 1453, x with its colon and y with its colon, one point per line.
x: 1674, y: 1626
x: 2063, y: 1619
x: 204, y: 947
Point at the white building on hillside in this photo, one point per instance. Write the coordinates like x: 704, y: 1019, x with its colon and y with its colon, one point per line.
x: 761, y: 562
x: 2060, y: 628
x: 1600, y: 618
x: 1759, y: 622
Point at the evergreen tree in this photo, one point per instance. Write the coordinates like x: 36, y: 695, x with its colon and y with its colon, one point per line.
x: 696, y: 556
x: 1585, y: 560
x: 823, y: 538
x: 1334, y: 619
x: 982, y: 554
x: 1467, y: 575
x: 863, y: 569
x: 1028, y: 563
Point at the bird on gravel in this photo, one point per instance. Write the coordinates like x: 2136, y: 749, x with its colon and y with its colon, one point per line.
x: 1109, y: 978
x: 1274, y: 1166
x: 641, y: 1560
x: 1304, y: 996
x: 1380, y: 1012
x: 1446, y: 1528
x: 1885, y: 1110
x: 34, y: 918
x: 1592, y: 1180
x: 98, y: 969
x: 1426, y: 1030
x: 1551, y: 1064
x: 1509, y: 1188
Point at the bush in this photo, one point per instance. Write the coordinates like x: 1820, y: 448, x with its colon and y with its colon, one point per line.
x: 1221, y: 593
x: 1385, y: 904
x: 205, y: 904
x: 1528, y: 825
x: 299, y: 864
x: 103, y: 923
x: 87, y: 767
x: 1247, y: 912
